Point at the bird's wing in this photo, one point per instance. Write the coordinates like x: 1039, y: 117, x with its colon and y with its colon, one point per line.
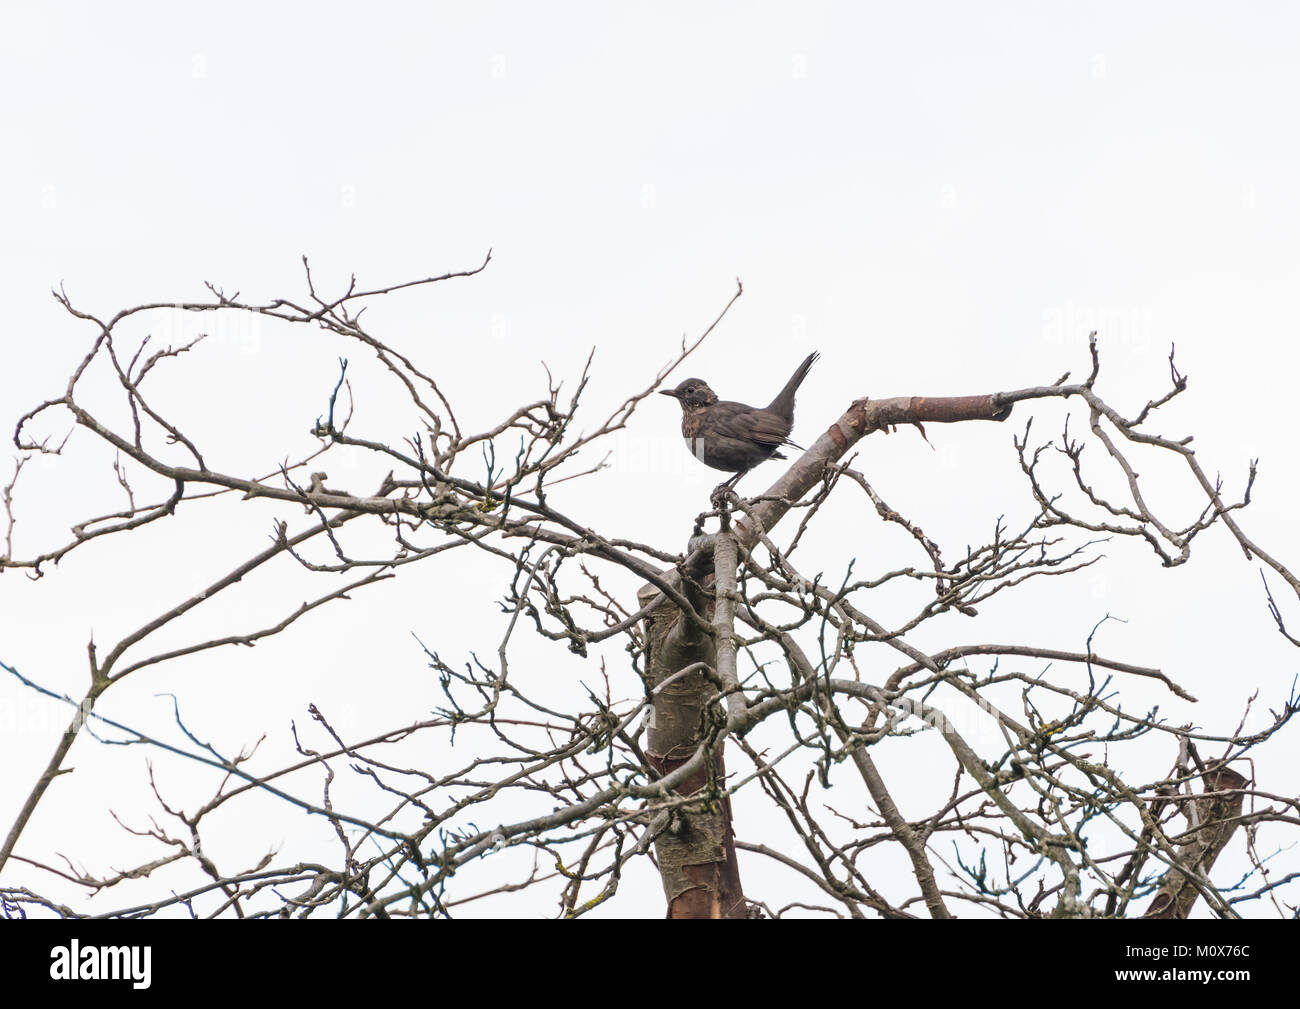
x: 758, y: 426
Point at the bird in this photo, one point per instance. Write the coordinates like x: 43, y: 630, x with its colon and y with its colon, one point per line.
x: 733, y: 436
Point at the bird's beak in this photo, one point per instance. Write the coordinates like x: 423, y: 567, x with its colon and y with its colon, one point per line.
x: 668, y: 392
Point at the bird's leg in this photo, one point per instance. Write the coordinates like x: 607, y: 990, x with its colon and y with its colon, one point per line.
x: 723, y: 492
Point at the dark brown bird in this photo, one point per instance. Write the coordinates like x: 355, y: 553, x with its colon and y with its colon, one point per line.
x: 732, y: 436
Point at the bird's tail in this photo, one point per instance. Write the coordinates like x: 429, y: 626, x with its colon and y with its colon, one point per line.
x: 784, y: 402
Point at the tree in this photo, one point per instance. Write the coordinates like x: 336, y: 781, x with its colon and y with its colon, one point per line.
x: 1035, y: 767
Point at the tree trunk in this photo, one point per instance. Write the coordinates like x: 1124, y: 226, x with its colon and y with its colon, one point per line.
x: 696, y: 851
x: 1217, y: 814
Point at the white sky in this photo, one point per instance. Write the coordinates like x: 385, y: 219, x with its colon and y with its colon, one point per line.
x: 941, y: 198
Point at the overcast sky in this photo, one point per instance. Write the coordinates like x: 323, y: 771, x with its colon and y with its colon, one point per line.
x: 941, y: 198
